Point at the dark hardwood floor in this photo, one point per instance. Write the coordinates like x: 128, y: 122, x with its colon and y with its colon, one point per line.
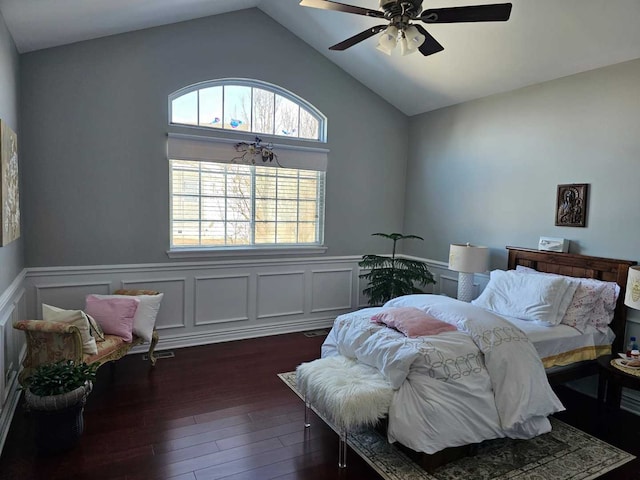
x: 220, y: 411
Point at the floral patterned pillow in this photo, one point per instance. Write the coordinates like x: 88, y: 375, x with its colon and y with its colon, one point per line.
x: 580, y: 313
x: 605, y: 306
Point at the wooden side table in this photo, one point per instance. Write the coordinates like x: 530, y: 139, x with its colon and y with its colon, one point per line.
x: 610, y: 382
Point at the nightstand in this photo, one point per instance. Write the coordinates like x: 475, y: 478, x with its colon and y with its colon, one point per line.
x: 610, y: 382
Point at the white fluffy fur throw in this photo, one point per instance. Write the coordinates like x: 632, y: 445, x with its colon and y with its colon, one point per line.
x: 349, y: 393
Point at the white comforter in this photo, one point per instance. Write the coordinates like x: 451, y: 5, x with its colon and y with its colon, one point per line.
x: 481, y: 382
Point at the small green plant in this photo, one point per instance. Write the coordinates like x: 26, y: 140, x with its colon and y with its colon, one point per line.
x: 391, y: 277
x: 60, y: 377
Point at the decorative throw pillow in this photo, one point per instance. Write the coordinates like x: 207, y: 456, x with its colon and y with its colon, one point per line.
x: 536, y: 298
x: 115, y: 315
x: 72, y: 317
x: 412, y: 322
x: 96, y: 330
x: 605, y: 306
x: 145, y: 318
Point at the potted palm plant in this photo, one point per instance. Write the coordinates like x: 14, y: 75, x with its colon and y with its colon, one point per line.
x: 56, y: 394
x: 391, y: 277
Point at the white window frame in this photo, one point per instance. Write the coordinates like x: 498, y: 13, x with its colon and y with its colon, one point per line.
x: 244, y: 82
x: 202, y: 147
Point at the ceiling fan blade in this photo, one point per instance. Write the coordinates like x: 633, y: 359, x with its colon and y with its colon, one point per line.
x: 341, y: 7
x: 498, y: 12
x: 350, y: 42
x: 430, y: 44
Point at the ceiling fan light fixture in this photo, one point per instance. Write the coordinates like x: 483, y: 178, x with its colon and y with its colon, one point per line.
x: 401, y: 13
x: 404, y: 46
x: 388, y: 39
x: 414, y: 38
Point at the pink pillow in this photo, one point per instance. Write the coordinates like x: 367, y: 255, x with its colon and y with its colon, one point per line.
x: 412, y: 321
x: 114, y: 315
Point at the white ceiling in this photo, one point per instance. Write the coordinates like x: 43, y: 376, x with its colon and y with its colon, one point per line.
x: 543, y: 40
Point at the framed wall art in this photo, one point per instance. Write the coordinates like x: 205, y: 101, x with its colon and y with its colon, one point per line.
x: 9, y: 185
x: 571, y: 205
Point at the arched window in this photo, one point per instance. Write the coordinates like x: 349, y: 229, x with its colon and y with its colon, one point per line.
x: 245, y: 192
x: 243, y: 105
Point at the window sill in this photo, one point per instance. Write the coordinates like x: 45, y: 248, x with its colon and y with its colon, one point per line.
x: 244, y: 251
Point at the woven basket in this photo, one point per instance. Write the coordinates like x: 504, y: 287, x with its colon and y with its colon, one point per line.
x: 58, y: 402
x: 58, y: 418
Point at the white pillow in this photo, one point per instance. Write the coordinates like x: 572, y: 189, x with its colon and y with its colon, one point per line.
x: 412, y: 300
x: 73, y: 317
x: 145, y: 318
x: 593, y: 304
x: 538, y: 298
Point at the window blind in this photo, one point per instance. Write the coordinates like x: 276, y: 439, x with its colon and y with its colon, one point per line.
x: 222, y: 150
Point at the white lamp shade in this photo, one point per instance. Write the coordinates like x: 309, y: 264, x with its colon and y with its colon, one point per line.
x: 468, y: 258
x: 632, y: 297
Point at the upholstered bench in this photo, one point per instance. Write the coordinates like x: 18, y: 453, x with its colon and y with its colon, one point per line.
x: 348, y: 394
x: 49, y: 342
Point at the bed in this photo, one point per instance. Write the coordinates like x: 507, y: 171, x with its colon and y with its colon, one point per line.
x: 486, y: 379
x: 582, y: 266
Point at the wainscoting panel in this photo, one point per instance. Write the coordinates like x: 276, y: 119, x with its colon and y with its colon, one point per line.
x: 221, y: 299
x: 448, y: 285
x: 209, y: 302
x: 67, y: 295
x: 363, y: 301
x: 280, y: 294
x: 12, y: 350
x: 215, y: 301
x: 173, y: 313
x: 331, y: 290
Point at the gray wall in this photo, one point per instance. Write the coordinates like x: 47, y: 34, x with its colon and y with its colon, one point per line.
x: 487, y: 171
x: 11, y: 256
x: 94, y: 137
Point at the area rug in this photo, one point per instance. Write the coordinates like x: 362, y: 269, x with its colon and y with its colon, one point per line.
x: 564, y: 453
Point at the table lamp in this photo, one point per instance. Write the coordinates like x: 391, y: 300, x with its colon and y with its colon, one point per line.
x: 468, y: 259
x: 632, y: 297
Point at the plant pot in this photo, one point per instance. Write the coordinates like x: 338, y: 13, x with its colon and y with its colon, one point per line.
x: 58, y: 418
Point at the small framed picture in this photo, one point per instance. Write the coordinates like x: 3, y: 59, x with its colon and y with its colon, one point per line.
x: 571, y: 205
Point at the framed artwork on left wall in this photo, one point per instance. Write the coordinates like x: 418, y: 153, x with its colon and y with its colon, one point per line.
x: 9, y: 185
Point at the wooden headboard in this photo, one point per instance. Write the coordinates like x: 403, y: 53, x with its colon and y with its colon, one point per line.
x: 574, y: 265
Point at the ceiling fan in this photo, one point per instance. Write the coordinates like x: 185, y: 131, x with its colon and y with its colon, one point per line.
x: 402, y: 13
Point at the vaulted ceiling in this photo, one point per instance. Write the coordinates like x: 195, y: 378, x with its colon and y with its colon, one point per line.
x: 543, y: 40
